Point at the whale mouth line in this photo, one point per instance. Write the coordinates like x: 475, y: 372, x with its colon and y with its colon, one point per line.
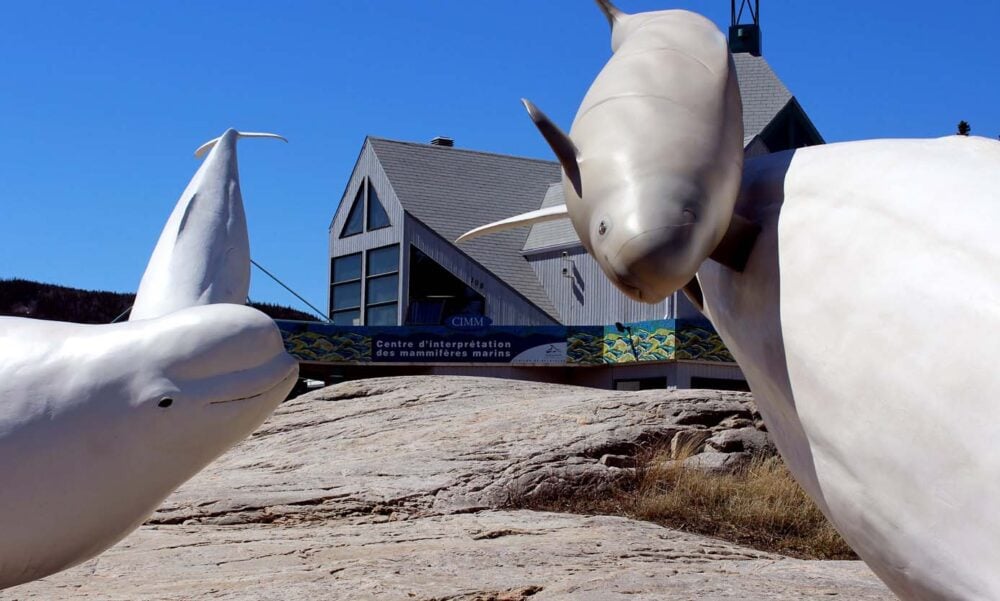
x: 259, y: 394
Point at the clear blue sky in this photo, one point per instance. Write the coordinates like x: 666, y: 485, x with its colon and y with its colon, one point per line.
x: 103, y: 103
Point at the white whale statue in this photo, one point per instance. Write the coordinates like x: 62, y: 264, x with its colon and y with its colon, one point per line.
x: 672, y: 69
x: 99, y: 423
x: 203, y: 254
x: 864, y: 314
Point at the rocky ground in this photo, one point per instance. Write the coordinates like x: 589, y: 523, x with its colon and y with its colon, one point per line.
x: 393, y: 489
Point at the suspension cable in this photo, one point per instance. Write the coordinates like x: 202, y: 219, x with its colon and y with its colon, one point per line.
x: 283, y: 285
x: 269, y: 274
x: 122, y: 314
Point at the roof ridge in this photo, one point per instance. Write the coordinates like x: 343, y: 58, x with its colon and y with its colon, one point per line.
x: 463, y: 150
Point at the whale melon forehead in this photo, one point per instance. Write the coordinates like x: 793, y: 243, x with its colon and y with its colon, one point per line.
x: 212, y: 339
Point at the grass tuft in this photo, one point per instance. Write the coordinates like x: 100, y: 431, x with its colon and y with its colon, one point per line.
x: 759, y: 505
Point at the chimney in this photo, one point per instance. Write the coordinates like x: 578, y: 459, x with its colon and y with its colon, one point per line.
x: 745, y: 37
x: 443, y: 141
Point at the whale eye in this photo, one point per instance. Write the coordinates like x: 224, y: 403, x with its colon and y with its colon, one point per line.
x: 165, y: 402
x: 602, y: 228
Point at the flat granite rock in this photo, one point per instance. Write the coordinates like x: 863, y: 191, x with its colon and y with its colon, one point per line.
x: 486, y: 555
x: 389, y: 488
x: 440, y: 443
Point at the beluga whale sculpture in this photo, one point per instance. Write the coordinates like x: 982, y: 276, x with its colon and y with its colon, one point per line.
x: 670, y: 84
x: 100, y: 423
x: 856, y: 284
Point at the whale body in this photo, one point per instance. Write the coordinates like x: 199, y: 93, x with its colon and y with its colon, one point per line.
x: 863, y: 311
x: 99, y: 423
x: 865, y: 323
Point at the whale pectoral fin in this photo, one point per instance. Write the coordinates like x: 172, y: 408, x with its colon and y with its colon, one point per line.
x: 560, y: 143
x: 539, y: 216
x: 736, y: 245
x: 204, y: 148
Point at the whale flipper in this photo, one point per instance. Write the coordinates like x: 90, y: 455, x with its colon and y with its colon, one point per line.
x: 203, y: 254
x: 532, y: 217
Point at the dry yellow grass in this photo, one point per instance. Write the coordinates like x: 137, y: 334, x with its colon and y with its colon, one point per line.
x: 760, y: 506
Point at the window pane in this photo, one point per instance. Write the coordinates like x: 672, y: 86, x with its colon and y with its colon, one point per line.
x: 382, y: 289
x: 382, y: 315
x: 346, y: 296
x: 355, y: 217
x: 377, y: 217
x: 346, y: 318
x: 383, y: 260
x: 347, y: 268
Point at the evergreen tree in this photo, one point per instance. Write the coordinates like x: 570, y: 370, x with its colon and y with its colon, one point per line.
x: 964, y: 128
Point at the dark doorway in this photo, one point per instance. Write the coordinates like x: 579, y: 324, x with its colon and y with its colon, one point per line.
x: 641, y: 384
x: 436, y: 294
x: 719, y: 384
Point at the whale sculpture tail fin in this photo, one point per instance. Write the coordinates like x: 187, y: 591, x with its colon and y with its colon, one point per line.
x: 204, y: 148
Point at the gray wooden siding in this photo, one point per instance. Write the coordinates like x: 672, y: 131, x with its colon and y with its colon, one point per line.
x: 368, y: 166
x: 756, y: 148
x: 503, y: 304
x: 585, y: 296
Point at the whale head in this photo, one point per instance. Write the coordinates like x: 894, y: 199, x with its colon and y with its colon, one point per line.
x: 208, y: 376
x: 100, y: 423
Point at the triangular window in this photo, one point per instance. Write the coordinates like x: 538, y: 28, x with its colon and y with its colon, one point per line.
x: 377, y: 217
x: 355, y: 217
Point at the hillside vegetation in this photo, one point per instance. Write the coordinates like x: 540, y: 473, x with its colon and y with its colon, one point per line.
x: 25, y: 298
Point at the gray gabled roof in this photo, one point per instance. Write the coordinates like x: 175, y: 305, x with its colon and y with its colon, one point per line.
x: 764, y: 96
x: 452, y: 190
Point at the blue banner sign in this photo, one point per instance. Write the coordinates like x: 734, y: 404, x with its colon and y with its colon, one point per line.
x: 498, y: 345
x: 472, y: 342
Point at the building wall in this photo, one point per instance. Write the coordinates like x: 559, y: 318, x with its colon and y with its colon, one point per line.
x: 583, y: 295
x: 718, y: 371
x: 504, y: 305
x: 756, y: 148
